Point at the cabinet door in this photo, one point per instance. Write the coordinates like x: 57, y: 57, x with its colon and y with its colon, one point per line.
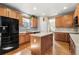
x: 18, y: 15
x: 72, y: 47
x: 34, y: 22
x: 20, y: 19
x: 65, y: 21
x: 35, y: 45
x: 77, y: 12
x: 27, y: 37
x: 68, y: 21
x: 61, y: 37
x: 22, y: 38
x: 3, y: 11
x: 11, y: 13
x: 58, y: 21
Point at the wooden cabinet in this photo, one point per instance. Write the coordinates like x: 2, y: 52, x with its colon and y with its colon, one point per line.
x: 76, y: 13
x: 4, y: 11
x: 65, y: 37
x: 58, y: 21
x: 62, y: 37
x: 24, y: 38
x: 19, y: 17
x: 11, y: 13
x: 72, y: 47
x: 65, y: 21
x: 39, y: 45
x: 34, y: 22
x: 27, y: 37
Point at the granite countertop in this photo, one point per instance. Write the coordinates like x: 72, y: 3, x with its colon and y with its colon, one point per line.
x: 27, y: 31
x: 67, y: 30
x: 41, y: 34
x: 24, y: 30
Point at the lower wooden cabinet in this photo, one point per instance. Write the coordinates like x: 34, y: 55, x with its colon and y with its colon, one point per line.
x: 24, y: 38
x: 65, y: 37
x: 72, y: 47
x: 62, y: 37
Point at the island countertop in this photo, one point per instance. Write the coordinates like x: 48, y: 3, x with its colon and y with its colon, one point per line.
x: 41, y: 34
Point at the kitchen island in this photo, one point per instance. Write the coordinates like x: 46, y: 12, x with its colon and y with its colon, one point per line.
x: 40, y: 42
x: 74, y: 37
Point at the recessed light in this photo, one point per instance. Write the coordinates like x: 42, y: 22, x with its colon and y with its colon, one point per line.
x: 43, y: 14
x: 34, y: 8
x: 65, y: 7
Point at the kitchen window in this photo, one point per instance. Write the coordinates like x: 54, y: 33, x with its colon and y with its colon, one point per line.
x: 26, y: 23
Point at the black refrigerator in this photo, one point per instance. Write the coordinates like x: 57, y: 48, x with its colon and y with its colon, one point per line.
x: 9, y: 34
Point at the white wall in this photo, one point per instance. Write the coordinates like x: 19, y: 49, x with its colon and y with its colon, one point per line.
x: 52, y: 24
x: 47, y: 25
x: 43, y: 25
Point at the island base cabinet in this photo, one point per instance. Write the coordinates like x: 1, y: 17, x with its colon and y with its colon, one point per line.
x: 35, y: 45
x: 39, y: 45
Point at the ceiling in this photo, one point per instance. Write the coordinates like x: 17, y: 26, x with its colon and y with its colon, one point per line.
x: 43, y: 9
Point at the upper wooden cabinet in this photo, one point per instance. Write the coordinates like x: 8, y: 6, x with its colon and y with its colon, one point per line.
x: 58, y: 21
x: 34, y: 22
x: 76, y: 13
x: 64, y: 21
x: 11, y: 13
x: 4, y: 11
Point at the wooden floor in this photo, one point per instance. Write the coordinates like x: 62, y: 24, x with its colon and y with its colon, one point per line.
x: 59, y: 48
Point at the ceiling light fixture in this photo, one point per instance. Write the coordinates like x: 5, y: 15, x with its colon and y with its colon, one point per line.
x: 34, y: 8
x: 65, y: 7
